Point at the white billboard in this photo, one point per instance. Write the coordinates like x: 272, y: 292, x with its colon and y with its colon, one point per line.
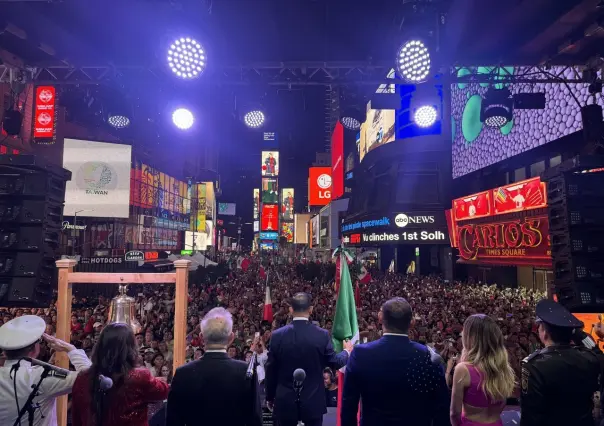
x: 100, y: 181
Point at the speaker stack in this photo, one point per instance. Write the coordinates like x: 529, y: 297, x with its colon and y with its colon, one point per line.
x: 32, y: 195
x: 575, y: 190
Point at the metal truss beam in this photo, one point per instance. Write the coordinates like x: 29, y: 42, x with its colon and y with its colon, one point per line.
x: 287, y: 74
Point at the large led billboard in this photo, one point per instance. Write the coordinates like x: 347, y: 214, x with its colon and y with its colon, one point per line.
x: 100, y: 183
x: 337, y: 161
x: 377, y: 130
x: 270, y: 218
x: 319, y: 186
x: 270, y: 163
x: 476, y: 146
x: 256, y: 203
x: 287, y: 204
x: 287, y: 231
x: 270, y: 191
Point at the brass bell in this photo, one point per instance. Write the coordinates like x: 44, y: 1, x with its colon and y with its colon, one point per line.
x: 123, y: 310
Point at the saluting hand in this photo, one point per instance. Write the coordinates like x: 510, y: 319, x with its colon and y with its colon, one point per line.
x: 58, y: 345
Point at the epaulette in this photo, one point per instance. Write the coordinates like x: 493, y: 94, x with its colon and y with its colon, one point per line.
x: 532, y: 356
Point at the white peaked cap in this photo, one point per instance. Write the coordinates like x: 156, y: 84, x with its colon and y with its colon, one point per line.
x: 21, y: 332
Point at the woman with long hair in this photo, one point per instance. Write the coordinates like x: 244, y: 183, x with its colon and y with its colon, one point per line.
x: 483, y: 379
x: 113, y: 392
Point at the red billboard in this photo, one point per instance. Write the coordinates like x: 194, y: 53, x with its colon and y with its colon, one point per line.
x: 270, y: 217
x: 529, y: 194
x: 44, y: 112
x: 337, y: 161
x: 526, y: 195
x: 522, y: 241
x: 319, y: 186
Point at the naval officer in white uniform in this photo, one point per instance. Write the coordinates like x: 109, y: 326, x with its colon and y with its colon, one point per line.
x: 20, y: 337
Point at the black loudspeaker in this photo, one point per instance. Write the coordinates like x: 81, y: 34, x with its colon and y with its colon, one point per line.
x: 32, y: 194
x: 11, y: 123
x: 575, y: 191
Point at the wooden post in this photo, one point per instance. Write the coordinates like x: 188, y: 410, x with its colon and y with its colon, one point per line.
x: 67, y: 278
x: 181, y: 301
x: 63, y: 332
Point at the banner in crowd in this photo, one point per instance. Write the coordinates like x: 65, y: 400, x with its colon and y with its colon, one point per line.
x: 287, y: 204
x: 270, y: 163
x: 100, y: 183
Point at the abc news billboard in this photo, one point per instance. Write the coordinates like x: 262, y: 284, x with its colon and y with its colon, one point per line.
x: 396, y: 228
x: 319, y: 186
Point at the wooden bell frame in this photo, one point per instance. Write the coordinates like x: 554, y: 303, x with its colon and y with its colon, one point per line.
x: 180, y: 278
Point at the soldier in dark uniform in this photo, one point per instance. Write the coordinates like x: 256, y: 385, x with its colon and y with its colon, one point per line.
x: 559, y: 382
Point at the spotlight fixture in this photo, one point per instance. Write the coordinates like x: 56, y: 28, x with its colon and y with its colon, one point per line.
x: 186, y: 58
x: 413, y: 61
x: 118, y: 121
x: 254, y: 119
x: 497, y: 108
x: 425, y: 116
x: 350, y: 123
x: 183, y: 118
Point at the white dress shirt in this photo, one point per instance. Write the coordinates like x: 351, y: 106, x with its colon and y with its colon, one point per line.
x: 52, y: 387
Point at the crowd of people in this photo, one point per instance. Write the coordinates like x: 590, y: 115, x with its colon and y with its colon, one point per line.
x: 440, y: 309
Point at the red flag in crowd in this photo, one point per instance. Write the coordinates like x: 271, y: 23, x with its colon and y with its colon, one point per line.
x: 268, y: 306
x: 364, y: 276
x: 262, y: 272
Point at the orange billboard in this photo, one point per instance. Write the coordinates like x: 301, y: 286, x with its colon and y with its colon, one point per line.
x: 319, y: 186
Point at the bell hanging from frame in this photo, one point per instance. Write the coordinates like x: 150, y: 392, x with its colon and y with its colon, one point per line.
x: 123, y: 310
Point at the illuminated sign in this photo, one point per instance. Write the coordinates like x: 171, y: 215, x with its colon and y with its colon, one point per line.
x: 287, y: 204
x: 337, y: 161
x: 151, y: 255
x: 319, y: 186
x: 134, y: 256
x: 44, y: 112
x: 527, y: 195
x: 270, y: 163
x: 517, y: 241
x: 397, y: 220
x: 270, y: 218
x: 269, y: 235
x: 435, y: 237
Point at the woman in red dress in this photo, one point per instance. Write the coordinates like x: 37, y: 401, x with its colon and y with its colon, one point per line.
x: 113, y: 392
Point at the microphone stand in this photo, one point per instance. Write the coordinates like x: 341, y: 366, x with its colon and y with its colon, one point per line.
x: 29, y: 404
x: 298, y: 390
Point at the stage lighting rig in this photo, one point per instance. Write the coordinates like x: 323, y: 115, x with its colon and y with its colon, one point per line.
x: 186, y: 58
x: 118, y: 121
x: 413, y: 61
x: 497, y: 108
x: 183, y: 118
x: 254, y: 119
x: 425, y: 116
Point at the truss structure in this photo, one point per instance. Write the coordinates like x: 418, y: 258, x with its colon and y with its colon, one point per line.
x: 288, y: 74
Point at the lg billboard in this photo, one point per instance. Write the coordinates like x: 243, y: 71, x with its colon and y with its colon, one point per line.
x: 319, y: 186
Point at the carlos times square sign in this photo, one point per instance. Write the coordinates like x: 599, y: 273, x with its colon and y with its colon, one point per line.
x: 507, y: 225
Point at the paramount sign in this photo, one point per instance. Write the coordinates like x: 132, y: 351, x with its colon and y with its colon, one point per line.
x: 69, y: 227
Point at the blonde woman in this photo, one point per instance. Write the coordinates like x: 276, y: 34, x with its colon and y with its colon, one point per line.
x: 483, y: 379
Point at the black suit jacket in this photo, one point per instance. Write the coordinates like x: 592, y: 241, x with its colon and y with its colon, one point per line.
x: 300, y: 345
x: 398, y: 381
x: 213, y: 391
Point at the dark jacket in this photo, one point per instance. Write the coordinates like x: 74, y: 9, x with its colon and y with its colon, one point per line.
x: 300, y: 345
x: 400, y: 383
x: 213, y: 390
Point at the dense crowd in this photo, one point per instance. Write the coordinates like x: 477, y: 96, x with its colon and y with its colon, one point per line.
x: 440, y: 309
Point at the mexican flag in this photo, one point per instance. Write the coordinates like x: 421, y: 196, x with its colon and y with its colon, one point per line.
x: 345, y: 324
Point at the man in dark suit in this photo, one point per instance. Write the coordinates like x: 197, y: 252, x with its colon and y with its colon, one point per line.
x: 214, y: 390
x: 303, y: 345
x: 399, y: 382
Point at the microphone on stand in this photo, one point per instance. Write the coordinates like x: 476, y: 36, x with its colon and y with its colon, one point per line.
x: 299, y: 377
x: 53, y: 371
